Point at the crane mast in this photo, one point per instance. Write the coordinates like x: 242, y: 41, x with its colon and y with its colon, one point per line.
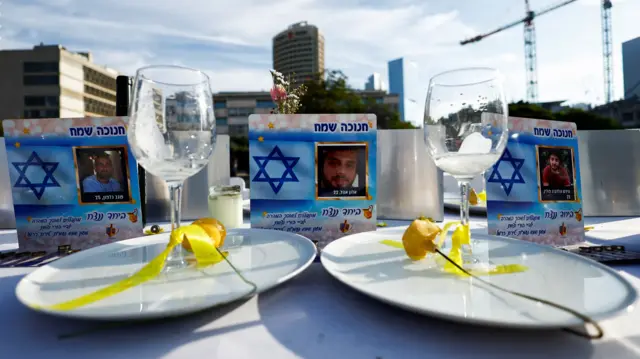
x: 530, y: 55
x: 606, y: 50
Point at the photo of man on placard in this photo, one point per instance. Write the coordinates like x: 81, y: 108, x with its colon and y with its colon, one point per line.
x: 102, y: 174
x: 555, y: 167
x: 102, y: 180
x: 342, y: 170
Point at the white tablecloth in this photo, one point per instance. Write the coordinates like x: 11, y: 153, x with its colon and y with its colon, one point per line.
x: 312, y: 316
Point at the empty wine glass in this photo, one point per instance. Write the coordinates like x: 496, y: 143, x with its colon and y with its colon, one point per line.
x: 465, y: 125
x: 172, y: 131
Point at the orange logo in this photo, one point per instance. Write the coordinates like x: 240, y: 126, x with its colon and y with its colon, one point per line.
x: 112, y: 231
x: 579, y: 215
x: 345, y: 226
x: 563, y: 229
x: 368, y: 212
x: 133, y: 216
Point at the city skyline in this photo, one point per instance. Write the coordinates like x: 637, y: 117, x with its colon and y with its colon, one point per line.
x: 360, y: 39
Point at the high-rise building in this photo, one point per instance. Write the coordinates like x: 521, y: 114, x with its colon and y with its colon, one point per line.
x: 631, y: 67
x: 50, y: 81
x: 374, y: 83
x: 299, y: 51
x: 403, y: 77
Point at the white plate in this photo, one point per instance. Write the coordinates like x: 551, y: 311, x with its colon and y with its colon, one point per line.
x: 265, y: 257
x: 452, y: 201
x: 385, y: 273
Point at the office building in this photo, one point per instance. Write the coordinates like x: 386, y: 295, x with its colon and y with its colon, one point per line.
x: 403, y: 78
x: 232, y: 109
x: 631, y: 67
x: 375, y: 83
x: 50, y: 81
x: 299, y: 51
x: 626, y: 111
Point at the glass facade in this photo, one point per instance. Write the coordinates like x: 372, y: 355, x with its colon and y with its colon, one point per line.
x: 631, y: 67
x: 396, y: 83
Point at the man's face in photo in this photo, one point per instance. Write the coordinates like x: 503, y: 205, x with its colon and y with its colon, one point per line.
x: 104, y: 168
x: 340, y: 168
x: 554, y: 162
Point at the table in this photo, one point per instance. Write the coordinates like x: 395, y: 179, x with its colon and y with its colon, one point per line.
x: 312, y: 316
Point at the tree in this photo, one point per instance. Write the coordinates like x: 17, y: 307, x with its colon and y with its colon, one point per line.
x: 332, y: 94
x: 587, y: 120
x: 528, y: 110
x: 584, y: 120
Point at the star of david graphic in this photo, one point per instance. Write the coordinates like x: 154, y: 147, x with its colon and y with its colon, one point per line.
x: 275, y: 182
x: 516, y: 176
x: 36, y: 188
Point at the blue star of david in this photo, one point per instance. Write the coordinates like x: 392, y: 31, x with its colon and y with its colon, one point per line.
x: 47, y: 167
x: 516, y: 176
x: 276, y: 182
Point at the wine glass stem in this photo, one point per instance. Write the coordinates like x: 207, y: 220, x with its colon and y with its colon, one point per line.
x: 465, y: 187
x: 176, y: 256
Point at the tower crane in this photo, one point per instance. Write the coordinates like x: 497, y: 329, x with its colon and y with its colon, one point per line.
x: 606, y: 50
x: 529, y: 43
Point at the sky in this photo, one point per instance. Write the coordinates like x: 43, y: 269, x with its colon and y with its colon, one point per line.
x: 231, y: 40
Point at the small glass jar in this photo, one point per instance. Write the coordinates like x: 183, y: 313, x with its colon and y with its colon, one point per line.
x: 225, y: 205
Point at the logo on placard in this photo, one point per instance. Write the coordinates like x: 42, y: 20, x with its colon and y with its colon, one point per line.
x: 133, y: 216
x: 563, y: 230
x: 35, y: 161
x: 111, y: 230
x: 368, y: 212
x: 516, y: 176
x: 345, y: 226
x: 287, y: 175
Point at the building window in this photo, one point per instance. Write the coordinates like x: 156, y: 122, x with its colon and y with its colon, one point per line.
x: 265, y: 104
x: 41, y: 113
x: 41, y: 80
x: 99, y: 93
x: 36, y: 67
x: 42, y: 101
x: 220, y: 104
x: 98, y: 107
x: 241, y: 111
x: 222, y: 121
x: 96, y: 78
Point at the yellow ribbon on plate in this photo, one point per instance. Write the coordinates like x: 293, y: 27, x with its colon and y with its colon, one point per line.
x: 475, y: 198
x: 461, y: 236
x: 203, y: 247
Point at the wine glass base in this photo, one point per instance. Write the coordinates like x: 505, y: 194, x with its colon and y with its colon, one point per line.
x: 176, y: 265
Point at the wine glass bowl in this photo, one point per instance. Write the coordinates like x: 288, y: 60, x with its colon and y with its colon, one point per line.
x: 465, y: 122
x: 172, y: 131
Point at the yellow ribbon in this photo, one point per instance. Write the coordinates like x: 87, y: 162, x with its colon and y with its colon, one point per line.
x: 461, y: 236
x: 474, y: 197
x: 205, y: 252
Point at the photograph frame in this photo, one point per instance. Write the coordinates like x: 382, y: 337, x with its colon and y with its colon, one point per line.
x: 366, y: 171
x: 539, y: 170
x: 124, y: 166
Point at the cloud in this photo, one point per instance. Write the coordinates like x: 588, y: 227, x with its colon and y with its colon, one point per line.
x: 234, y: 39
x: 231, y: 40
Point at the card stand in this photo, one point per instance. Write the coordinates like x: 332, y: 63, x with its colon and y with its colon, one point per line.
x: 610, y: 255
x: 32, y: 259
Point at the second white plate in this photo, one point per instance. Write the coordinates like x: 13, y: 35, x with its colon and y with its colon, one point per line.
x: 265, y: 257
x: 386, y: 273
